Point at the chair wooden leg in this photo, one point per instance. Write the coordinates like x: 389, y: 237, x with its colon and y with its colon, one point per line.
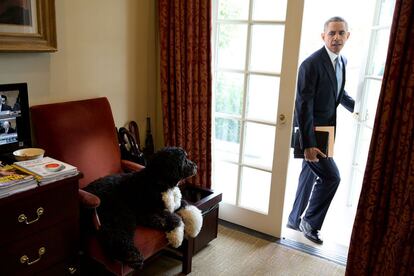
x: 188, y: 249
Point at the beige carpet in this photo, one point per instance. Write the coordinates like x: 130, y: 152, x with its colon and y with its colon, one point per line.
x: 237, y: 253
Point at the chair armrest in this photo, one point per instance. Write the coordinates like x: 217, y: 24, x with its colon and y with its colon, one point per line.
x: 95, y: 220
x: 129, y: 166
x: 88, y: 200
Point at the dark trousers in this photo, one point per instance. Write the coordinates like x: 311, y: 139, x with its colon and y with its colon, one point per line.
x: 318, y: 182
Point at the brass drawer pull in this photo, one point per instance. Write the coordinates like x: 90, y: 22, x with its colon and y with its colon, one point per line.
x: 25, y: 259
x: 23, y: 218
x: 72, y: 270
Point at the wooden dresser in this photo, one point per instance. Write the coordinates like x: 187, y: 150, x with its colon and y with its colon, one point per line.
x: 208, y: 202
x: 39, y: 232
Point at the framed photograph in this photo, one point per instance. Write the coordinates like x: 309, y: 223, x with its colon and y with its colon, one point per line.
x: 27, y: 26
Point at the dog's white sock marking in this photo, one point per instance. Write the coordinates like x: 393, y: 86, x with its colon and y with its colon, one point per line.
x: 177, y: 197
x: 168, y: 199
x: 176, y: 236
x: 193, y: 220
x: 172, y: 199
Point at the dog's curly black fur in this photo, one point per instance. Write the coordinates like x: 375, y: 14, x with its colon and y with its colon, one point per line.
x: 131, y: 199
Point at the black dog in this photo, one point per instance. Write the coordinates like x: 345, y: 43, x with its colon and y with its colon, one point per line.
x: 150, y: 198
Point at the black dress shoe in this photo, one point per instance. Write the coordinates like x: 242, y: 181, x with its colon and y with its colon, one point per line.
x: 292, y: 226
x: 309, y: 233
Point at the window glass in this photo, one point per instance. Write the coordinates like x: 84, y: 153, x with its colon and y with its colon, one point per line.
x: 267, y: 48
x: 373, y: 89
x: 255, y: 189
x: 365, y: 140
x: 233, y: 9
x: 229, y: 93
x: 379, y: 55
x: 232, y: 46
x: 225, y: 180
x: 262, y: 98
x: 227, y: 139
x: 259, y: 145
x: 274, y: 10
x: 386, y: 12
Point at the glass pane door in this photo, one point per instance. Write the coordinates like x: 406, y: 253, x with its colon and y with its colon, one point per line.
x: 254, y: 42
x: 368, y: 97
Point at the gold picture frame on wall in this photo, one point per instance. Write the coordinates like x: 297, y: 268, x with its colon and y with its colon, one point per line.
x: 27, y: 26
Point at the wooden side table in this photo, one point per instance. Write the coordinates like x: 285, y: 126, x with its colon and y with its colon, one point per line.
x: 40, y: 230
x: 208, y: 202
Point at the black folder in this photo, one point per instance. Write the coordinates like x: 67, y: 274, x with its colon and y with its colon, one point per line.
x: 322, y: 143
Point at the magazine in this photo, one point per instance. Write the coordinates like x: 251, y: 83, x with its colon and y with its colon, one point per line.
x: 47, y: 169
x: 10, y: 175
x: 14, y: 180
x: 17, y: 188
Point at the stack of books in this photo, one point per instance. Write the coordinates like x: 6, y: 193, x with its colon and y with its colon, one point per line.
x: 47, y: 169
x: 13, y: 180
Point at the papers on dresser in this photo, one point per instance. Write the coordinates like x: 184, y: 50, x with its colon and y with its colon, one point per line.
x: 47, y: 169
x: 14, y: 180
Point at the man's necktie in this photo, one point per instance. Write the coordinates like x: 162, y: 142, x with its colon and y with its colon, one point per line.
x: 338, y: 72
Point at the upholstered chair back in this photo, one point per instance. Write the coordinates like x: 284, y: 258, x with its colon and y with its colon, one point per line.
x: 81, y: 133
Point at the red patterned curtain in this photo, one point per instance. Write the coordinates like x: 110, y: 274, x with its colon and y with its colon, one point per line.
x: 185, y: 32
x: 382, y: 240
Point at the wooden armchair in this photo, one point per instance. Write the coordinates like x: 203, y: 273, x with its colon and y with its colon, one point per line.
x: 83, y: 133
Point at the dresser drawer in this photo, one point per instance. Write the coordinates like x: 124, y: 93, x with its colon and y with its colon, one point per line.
x: 208, y: 202
x: 66, y: 268
x: 40, y: 251
x: 37, y: 209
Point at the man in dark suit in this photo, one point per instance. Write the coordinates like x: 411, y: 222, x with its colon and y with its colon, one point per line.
x: 6, y: 128
x: 3, y: 104
x: 320, y: 89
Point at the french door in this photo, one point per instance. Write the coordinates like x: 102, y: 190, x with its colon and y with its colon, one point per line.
x: 256, y: 48
x: 368, y: 94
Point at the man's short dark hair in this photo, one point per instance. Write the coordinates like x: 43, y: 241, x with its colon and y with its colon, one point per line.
x: 335, y: 19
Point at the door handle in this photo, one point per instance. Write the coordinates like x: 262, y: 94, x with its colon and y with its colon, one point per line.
x: 282, y: 118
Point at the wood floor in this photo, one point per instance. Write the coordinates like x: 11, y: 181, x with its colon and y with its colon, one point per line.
x: 237, y: 253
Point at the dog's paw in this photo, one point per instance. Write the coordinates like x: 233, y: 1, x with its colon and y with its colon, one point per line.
x: 134, y: 260
x: 193, y: 220
x: 176, y: 236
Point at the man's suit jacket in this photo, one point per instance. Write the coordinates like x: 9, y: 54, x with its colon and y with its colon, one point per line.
x: 316, y: 100
x: 5, y: 107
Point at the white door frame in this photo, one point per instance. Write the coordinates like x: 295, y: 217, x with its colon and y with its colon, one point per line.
x: 271, y: 223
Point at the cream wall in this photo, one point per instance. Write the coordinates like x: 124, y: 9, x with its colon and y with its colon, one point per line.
x: 105, y: 48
